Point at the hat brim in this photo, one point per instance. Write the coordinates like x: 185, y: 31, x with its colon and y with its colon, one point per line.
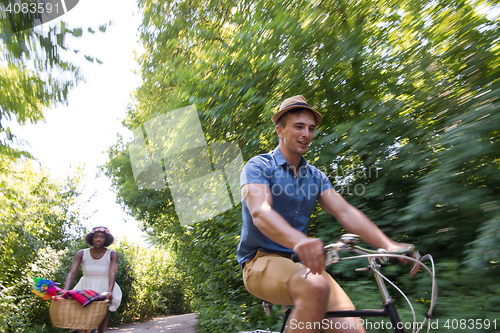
x: 318, y: 117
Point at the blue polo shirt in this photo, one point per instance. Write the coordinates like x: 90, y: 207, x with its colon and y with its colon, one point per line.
x: 294, y: 198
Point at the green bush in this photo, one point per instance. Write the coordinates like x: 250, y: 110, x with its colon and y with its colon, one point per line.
x: 150, y: 282
x: 38, y: 222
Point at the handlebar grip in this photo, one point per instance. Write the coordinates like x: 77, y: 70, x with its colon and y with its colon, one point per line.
x: 407, y: 252
x: 295, y: 257
x: 410, y: 250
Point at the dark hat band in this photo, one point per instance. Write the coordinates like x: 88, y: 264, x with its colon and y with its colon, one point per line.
x: 297, y: 104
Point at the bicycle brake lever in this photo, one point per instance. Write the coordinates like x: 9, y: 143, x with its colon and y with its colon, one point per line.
x: 383, y: 258
x: 330, y: 254
x: 416, y: 266
x: 332, y: 257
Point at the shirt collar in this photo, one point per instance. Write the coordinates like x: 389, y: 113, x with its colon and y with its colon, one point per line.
x: 282, y: 161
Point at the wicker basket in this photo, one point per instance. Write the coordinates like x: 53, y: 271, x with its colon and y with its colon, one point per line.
x: 67, y: 313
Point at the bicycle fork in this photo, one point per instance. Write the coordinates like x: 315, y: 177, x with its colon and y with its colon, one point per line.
x: 387, y: 301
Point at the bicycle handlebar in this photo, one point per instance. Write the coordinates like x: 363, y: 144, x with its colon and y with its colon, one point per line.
x: 348, y: 242
x: 408, y: 251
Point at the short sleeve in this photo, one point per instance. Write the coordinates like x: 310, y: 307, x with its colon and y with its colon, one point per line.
x: 324, y: 181
x: 256, y: 171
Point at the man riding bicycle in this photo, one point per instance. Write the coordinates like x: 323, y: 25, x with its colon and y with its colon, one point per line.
x: 279, y: 191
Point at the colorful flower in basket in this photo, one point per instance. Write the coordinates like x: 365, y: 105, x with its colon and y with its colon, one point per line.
x: 45, y: 288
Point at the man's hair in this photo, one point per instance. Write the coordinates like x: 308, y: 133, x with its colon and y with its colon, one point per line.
x: 282, y: 120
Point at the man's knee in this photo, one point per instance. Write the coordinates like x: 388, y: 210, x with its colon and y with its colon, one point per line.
x: 313, y: 289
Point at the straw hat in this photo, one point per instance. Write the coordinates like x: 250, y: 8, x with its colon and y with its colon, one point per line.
x: 293, y: 103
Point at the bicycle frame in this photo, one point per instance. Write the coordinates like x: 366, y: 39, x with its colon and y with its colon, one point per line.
x: 388, y: 311
x: 348, y: 242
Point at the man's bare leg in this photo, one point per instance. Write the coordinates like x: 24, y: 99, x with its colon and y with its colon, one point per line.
x: 310, y: 297
x: 345, y: 325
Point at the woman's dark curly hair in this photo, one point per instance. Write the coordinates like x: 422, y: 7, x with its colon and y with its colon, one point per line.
x: 89, y: 238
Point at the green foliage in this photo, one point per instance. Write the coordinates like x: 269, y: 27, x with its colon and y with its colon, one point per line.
x: 125, y: 279
x: 205, y: 258
x: 39, y: 220
x: 409, y: 135
x: 150, y: 283
x: 35, y: 212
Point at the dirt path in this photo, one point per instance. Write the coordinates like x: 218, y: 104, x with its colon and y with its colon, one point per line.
x: 179, y: 324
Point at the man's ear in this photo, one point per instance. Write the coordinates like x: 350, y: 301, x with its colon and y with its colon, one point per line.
x: 278, y: 130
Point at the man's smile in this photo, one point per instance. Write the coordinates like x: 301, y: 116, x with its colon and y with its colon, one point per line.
x: 304, y: 143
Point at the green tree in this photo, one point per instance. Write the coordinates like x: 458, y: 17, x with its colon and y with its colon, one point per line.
x: 35, y: 72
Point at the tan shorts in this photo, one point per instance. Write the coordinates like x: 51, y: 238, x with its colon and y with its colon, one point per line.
x: 267, y: 275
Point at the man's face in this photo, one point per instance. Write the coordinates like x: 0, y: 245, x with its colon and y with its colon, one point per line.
x: 298, y: 132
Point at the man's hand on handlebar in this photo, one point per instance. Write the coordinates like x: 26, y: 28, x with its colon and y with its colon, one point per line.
x: 311, y: 253
x: 409, y: 250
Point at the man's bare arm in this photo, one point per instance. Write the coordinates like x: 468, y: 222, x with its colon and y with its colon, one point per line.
x: 356, y: 222
x: 258, y: 199
x: 353, y: 219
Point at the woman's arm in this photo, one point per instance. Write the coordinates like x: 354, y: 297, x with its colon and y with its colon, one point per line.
x: 74, y: 269
x: 113, y: 267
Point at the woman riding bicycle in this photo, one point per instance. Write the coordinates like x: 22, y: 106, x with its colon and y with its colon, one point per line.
x: 99, y: 266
